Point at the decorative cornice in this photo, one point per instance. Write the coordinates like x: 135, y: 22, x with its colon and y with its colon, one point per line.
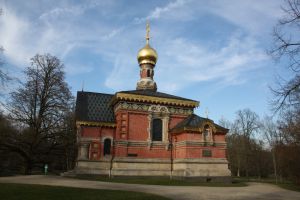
x: 201, y: 160
x: 140, y: 143
x: 200, y: 143
x: 102, y: 124
x: 147, y: 107
x: 158, y: 109
x: 184, y: 143
x: 156, y: 100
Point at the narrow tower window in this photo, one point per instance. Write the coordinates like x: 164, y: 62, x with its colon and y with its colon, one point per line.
x: 148, y: 72
x: 157, y: 130
x: 107, y: 145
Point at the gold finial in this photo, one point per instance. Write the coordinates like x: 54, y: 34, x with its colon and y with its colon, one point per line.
x: 82, y: 86
x: 147, y: 54
x: 147, y: 32
x: 206, y: 112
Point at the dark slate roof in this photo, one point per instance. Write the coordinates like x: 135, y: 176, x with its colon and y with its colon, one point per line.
x: 194, y: 121
x: 155, y: 94
x: 94, y: 107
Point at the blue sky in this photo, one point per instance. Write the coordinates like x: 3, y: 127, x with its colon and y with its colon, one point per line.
x: 210, y: 51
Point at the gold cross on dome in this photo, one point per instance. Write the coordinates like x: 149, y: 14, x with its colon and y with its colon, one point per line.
x: 147, y: 32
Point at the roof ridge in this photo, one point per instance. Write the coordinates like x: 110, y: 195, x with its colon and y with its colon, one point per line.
x: 158, y: 94
x: 87, y: 92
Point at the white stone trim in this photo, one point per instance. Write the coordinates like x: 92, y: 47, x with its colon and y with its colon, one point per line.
x: 159, y: 112
x: 107, y: 137
x: 210, y: 134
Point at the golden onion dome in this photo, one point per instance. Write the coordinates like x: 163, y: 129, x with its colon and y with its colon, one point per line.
x: 147, y: 55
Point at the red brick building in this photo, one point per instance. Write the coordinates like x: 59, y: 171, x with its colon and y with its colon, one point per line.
x: 144, y: 132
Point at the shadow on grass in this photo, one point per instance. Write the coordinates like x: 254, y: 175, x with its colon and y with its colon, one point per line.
x: 36, y: 192
x: 158, y: 181
x: 285, y: 185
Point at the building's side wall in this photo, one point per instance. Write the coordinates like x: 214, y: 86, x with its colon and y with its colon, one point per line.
x: 194, y: 157
x: 91, y: 141
x: 136, y: 154
x: 133, y: 153
x: 192, y: 145
x: 137, y: 126
x: 133, y: 137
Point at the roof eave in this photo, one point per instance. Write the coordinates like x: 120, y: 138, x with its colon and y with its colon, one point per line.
x: 98, y: 124
x: 152, y: 99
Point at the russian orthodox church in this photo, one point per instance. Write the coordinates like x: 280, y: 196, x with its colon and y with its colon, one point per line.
x: 144, y: 132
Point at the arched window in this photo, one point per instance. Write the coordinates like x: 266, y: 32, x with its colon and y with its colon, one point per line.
x: 206, y: 132
x: 157, y: 130
x: 107, y: 145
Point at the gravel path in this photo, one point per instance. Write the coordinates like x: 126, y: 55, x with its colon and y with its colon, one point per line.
x: 255, y: 191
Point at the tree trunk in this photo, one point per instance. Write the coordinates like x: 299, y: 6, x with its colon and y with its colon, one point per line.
x: 28, y: 167
x: 238, y: 169
x: 274, y: 165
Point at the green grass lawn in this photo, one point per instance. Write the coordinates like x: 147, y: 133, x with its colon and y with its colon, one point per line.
x: 157, y: 181
x: 10, y: 191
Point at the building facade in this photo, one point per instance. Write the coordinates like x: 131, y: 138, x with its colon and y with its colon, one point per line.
x: 144, y: 132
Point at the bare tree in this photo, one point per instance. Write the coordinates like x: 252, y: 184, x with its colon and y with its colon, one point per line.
x: 272, y: 136
x: 289, y: 148
x: 286, y: 36
x: 246, y: 124
x: 290, y: 127
x: 3, y: 76
x: 234, y: 153
x: 225, y: 123
x: 40, y: 107
x: 287, y: 92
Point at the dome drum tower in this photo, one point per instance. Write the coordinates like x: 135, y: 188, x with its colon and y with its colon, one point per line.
x: 147, y: 58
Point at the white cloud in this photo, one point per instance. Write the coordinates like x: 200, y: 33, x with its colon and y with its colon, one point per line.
x: 12, y: 36
x: 254, y: 16
x: 173, y: 7
x: 112, y: 33
x: 52, y: 33
x: 123, y: 73
x: 183, y: 62
x: 196, y: 63
x: 69, y: 10
x: 75, y: 68
x: 158, y: 11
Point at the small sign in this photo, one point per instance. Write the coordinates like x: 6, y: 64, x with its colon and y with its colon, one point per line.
x: 206, y: 153
x: 132, y: 155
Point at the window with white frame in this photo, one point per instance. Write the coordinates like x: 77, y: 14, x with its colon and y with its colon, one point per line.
x: 157, y: 127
